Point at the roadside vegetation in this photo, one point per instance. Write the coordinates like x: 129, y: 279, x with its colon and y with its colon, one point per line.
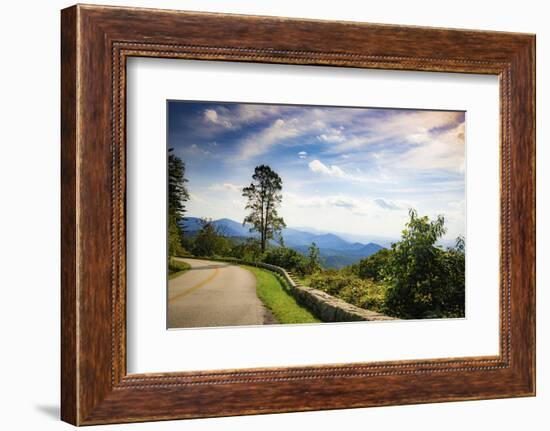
x: 414, y: 279
x: 275, y: 295
x: 176, y: 268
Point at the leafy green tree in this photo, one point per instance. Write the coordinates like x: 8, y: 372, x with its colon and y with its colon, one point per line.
x: 177, y: 196
x: 371, y: 266
x: 313, y: 259
x: 175, y: 246
x: 264, y: 197
x: 423, y: 279
x: 249, y: 250
x: 208, y: 241
x: 452, y: 295
x: 287, y: 258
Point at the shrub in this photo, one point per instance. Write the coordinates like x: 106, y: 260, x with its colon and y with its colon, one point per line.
x: 287, y: 258
x: 176, y: 266
x: 250, y: 250
x: 209, y: 242
x: 371, y: 266
x: 361, y: 293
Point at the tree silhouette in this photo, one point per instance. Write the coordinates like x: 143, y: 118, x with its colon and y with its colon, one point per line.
x: 177, y: 190
x: 264, y: 196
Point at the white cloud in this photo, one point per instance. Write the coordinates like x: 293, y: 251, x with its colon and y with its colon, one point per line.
x: 404, y: 125
x: 261, y: 142
x: 359, y: 215
x: 334, y: 171
x: 354, y: 206
x: 386, y: 204
x: 196, y: 198
x: 362, y: 129
x: 304, y: 121
x: 332, y: 136
x: 235, y: 116
x: 436, y: 150
x: 357, y: 206
x: 194, y: 149
x: 225, y: 187
x: 246, y: 114
x: 319, y: 167
x: 211, y: 115
x: 302, y: 154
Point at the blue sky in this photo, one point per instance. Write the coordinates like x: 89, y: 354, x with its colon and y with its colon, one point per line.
x: 347, y: 170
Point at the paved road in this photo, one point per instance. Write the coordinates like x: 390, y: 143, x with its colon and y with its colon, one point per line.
x: 214, y: 294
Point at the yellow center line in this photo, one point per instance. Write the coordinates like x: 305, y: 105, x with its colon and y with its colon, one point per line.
x: 197, y: 286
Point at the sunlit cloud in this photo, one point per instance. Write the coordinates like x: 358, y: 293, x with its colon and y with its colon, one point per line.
x: 332, y: 171
x: 259, y: 143
x: 318, y: 167
x: 332, y: 136
x: 212, y: 116
x: 443, y: 150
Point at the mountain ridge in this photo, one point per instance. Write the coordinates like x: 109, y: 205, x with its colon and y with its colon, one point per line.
x: 335, y: 251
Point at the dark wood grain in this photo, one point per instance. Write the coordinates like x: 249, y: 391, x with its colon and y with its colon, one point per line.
x: 96, y: 41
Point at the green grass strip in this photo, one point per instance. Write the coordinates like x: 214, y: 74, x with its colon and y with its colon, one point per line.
x: 275, y: 295
x: 177, y: 268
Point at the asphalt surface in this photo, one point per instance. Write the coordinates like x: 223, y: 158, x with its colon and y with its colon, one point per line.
x: 214, y: 294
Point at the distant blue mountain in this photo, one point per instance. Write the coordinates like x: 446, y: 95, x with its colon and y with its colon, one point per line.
x: 225, y: 226
x: 335, y: 251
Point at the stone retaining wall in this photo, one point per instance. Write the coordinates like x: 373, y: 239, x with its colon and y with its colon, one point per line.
x: 326, y: 307
x: 331, y: 309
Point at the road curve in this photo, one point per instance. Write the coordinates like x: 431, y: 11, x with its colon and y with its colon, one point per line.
x: 214, y: 294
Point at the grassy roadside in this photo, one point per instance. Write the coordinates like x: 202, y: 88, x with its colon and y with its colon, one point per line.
x: 176, y: 268
x: 273, y: 292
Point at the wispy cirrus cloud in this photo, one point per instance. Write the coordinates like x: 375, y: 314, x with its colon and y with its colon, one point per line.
x: 259, y: 143
x: 235, y: 116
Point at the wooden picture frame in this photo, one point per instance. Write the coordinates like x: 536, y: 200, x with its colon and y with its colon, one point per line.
x: 95, y: 43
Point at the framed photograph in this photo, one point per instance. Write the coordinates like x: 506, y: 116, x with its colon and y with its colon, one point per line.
x: 320, y: 180
x: 266, y: 215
